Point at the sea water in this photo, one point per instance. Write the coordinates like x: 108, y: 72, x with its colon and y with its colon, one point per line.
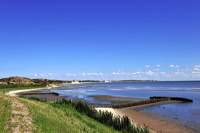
x: 187, y: 114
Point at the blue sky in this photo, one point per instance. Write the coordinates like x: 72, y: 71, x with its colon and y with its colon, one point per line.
x: 100, y: 39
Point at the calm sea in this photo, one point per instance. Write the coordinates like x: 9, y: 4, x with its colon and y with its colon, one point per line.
x: 187, y: 114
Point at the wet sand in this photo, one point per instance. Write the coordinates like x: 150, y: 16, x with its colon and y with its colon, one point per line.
x: 118, y: 99
x: 155, y: 123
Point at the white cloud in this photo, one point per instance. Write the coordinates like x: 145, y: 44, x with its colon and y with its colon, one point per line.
x: 195, y: 72
x: 196, y: 69
x: 149, y: 73
x: 91, y: 74
x: 119, y: 73
x: 174, y: 66
x: 177, y: 72
x: 147, y: 66
x: 136, y: 73
x: 163, y: 73
x: 83, y: 74
x: 197, y: 66
x: 40, y: 75
x: 157, y: 73
x: 70, y: 74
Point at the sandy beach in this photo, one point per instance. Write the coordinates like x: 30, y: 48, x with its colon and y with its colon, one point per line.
x: 15, y: 93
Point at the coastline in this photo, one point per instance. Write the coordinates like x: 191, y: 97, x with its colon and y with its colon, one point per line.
x: 15, y: 92
x: 153, y: 122
x: 144, y: 119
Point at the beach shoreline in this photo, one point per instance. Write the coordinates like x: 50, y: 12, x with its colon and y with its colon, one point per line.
x: 15, y: 92
x: 155, y: 123
x: 144, y: 119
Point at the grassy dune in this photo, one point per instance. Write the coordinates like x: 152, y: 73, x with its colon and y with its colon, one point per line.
x: 54, y: 118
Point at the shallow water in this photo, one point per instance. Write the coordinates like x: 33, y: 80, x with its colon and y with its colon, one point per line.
x: 187, y: 114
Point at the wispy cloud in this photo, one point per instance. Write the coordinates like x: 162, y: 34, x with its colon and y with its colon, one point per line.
x: 181, y: 73
x: 174, y: 66
x: 197, y: 66
x: 70, y: 74
x: 91, y: 74
x: 148, y: 66
x: 196, y: 69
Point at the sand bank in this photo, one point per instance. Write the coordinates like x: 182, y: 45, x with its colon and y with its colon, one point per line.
x: 112, y: 98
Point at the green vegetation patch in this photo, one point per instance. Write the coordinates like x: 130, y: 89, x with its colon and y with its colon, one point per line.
x: 50, y: 117
x: 4, y: 88
x: 5, y: 114
x: 89, y: 116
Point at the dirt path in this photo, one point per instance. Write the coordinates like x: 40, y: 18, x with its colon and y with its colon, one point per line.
x: 20, y: 121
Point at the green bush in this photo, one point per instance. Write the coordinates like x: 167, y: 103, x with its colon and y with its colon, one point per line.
x: 5, y: 86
